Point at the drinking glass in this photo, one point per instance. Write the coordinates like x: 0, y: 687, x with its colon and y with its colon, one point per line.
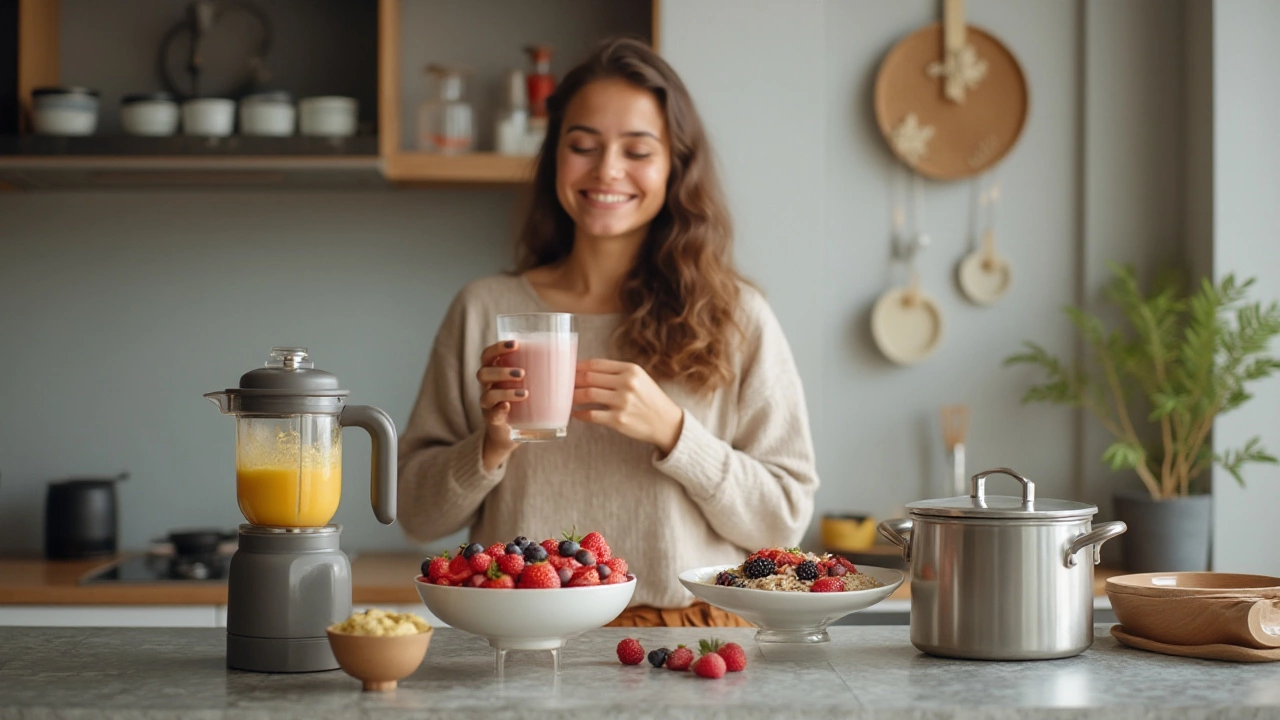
x: 547, y: 351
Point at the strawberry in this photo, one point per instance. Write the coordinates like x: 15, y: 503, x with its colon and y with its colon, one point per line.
x: 617, y: 565
x: 439, y: 567
x: 476, y: 580
x: 827, y: 584
x: 539, y: 576
x: 496, y: 578
x: 680, y: 658
x: 844, y: 561
x: 594, y: 542
x: 512, y: 565
x: 584, y: 576
x: 559, y: 561
x: 480, y: 562
x: 735, y: 658
x: 552, y: 546
x: 443, y: 581
x: 710, y: 665
x: 459, y: 570
x: 615, y: 578
x: 630, y: 652
x: 496, y: 550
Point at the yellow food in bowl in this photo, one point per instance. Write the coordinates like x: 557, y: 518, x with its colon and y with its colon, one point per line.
x: 380, y: 622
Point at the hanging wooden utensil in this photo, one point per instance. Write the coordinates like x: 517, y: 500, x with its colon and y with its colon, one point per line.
x: 950, y: 99
x: 985, y: 274
x: 905, y: 322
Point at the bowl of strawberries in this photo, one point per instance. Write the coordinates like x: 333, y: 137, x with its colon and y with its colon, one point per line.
x: 792, y: 595
x: 558, y: 589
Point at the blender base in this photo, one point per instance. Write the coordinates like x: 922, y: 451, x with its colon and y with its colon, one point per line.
x: 279, y: 655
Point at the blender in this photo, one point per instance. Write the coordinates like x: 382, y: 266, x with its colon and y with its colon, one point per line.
x: 288, y: 579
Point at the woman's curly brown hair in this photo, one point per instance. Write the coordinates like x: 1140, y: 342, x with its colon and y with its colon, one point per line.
x: 679, y: 298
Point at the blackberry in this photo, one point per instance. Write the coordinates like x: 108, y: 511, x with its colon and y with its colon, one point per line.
x: 658, y: 658
x: 535, y: 553
x: 472, y: 549
x: 807, y: 570
x: 728, y: 579
x: 758, y: 568
x: 569, y: 548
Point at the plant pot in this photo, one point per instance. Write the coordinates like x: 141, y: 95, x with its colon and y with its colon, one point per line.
x: 1165, y: 535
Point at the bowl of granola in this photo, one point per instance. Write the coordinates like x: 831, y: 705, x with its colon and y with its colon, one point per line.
x: 791, y: 595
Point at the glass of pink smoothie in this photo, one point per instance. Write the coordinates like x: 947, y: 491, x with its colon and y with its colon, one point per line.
x: 547, y: 351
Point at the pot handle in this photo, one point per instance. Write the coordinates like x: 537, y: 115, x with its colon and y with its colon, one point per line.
x: 978, y: 486
x: 1094, y: 538
x: 898, y: 532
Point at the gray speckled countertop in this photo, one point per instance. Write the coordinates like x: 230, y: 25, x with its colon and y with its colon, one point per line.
x: 865, y: 672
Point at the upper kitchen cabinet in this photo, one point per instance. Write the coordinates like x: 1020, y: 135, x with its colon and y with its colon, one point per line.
x: 127, y: 49
x: 472, y: 48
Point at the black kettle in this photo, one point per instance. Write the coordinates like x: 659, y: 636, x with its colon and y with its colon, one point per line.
x: 81, y: 517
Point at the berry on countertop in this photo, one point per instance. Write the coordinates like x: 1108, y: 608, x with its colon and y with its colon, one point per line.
x: 539, y: 576
x: 735, y: 658
x: 807, y: 570
x: 495, y: 550
x: 512, y: 565
x: 534, y: 553
x: 680, y: 658
x: 828, y: 584
x: 658, y: 658
x: 630, y: 652
x: 480, y: 562
x: 585, y: 556
x: 594, y: 542
x: 472, y: 549
x: 759, y: 567
x: 710, y: 665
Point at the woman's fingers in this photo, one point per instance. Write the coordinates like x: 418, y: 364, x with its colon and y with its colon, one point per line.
x: 493, y: 396
x: 496, y: 350
x: 491, y: 375
x: 596, y: 396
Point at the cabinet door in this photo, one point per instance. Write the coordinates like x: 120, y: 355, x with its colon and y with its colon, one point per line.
x: 204, y: 616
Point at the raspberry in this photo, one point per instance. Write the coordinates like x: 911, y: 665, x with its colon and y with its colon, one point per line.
x: 630, y: 652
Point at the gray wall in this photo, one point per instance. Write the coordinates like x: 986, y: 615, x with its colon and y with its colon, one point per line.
x: 130, y: 306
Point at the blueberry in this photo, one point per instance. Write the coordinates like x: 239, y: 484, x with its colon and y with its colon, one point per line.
x: 585, y: 556
x: 602, y: 569
x: 514, y: 549
x: 426, y: 565
x: 535, y: 553
x: 565, y: 575
x: 568, y: 548
x: 472, y: 549
x: 522, y: 541
x: 658, y: 658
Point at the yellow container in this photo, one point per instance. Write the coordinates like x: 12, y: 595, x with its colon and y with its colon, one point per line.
x: 848, y: 532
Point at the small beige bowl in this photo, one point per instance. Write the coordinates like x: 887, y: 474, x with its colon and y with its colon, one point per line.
x: 1199, y: 608
x: 379, y: 661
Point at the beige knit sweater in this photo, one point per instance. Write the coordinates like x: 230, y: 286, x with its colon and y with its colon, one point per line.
x: 741, y: 475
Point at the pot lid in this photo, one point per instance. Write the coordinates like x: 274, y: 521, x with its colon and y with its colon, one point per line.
x: 978, y: 504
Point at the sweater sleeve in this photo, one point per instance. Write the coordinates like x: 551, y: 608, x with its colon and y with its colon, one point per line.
x: 756, y: 488
x: 442, y: 481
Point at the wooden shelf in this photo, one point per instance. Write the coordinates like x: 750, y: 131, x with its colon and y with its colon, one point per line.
x: 476, y: 168
x: 53, y: 172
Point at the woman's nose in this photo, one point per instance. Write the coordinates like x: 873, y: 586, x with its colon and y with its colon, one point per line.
x: 610, y: 166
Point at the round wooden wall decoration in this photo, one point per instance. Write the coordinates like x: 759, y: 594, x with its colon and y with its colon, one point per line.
x: 940, y: 137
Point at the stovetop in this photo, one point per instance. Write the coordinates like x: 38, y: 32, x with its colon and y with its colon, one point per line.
x: 151, y: 568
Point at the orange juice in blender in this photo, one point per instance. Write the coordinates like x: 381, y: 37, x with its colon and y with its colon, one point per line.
x: 289, y: 470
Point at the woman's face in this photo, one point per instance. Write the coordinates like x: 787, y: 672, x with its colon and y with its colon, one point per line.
x: 613, y: 160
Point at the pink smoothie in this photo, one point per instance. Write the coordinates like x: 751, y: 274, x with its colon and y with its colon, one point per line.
x: 550, y: 362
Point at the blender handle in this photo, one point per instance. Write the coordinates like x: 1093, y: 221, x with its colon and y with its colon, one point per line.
x: 382, y: 471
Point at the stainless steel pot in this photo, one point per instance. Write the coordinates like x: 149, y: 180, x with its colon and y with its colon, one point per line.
x: 996, y: 577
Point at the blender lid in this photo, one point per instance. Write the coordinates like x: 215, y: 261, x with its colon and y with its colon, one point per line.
x: 289, y: 369
x: 289, y: 384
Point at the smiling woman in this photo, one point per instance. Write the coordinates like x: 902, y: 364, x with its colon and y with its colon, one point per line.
x: 690, y: 438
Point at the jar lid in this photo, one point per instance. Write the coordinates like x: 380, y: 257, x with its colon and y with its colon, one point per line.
x: 146, y: 97
x: 288, y: 384
x: 63, y: 90
x: 977, y: 504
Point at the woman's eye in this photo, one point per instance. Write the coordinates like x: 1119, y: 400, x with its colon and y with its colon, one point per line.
x: 579, y: 149
x: 639, y: 155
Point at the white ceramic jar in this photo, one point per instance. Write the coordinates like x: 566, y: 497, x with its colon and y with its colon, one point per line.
x: 268, y: 113
x: 327, y: 116
x: 64, y: 110
x: 208, y: 117
x: 149, y: 114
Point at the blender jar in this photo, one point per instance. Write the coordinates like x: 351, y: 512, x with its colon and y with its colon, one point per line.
x: 288, y: 469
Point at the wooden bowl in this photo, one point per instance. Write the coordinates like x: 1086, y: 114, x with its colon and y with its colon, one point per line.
x: 379, y: 661
x: 1199, y: 608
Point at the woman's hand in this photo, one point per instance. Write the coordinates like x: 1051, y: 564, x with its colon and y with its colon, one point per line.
x: 626, y: 399
x: 499, y: 387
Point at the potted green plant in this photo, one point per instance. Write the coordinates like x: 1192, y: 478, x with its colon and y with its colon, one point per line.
x: 1156, y: 381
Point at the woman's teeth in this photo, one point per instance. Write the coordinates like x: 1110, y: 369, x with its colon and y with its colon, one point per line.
x: 610, y: 198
